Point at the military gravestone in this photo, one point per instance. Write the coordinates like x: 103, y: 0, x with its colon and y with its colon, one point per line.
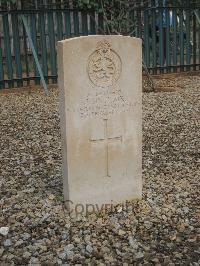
x: 100, y: 81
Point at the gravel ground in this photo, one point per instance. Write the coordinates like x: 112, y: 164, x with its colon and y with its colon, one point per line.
x: 160, y: 229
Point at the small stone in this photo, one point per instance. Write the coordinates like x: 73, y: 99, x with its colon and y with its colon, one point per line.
x: 70, y: 254
x: 25, y: 236
x: 26, y: 220
x: 77, y: 240
x: 181, y: 227
x: 148, y: 224
x: 4, y: 231
x: 119, y: 253
x: 192, y: 239
x: 59, y: 262
x: 87, y: 238
x: 155, y: 260
x: 51, y: 232
x: 178, y: 256
x: 7, y: 243
x: 186, y: 210
x: 69, y: 247
x: 167, y: 260
x: 26, y: 255
x: 62, y: 255
x: 1, y: 251
x: 43, y: 248
x: 89, y: 249
x: 170, y: 245
x: 10, y: 257
x: 110, y: 259
x: 173, y: 237
x: 31, y: 190
x: 51, y: 197
x: 19, y: 243
x: 26, y: 173
x: 139, y: 255
x: 120, y: 209
x: 65, y: 236
x: 68, y: 225
x: 45, y: 217
x: 133, y: 243
x: 121, y: 232
x: 105, y: 250
x: 34, y: 261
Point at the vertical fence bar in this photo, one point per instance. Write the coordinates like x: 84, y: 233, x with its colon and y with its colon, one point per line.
x: 84, y: 23
x: 66, y: 17
x: 59, y: 20
x: 16, y: 45
x: 194, y: 40
x: 199, y: 35
x: 34, y: 39
x: 161, y: 39
x: 181, y: 33
x: 140, y: 24
x: 146, y: 38
x: 175, y: 46
x: 52, y: 50
x: 7, y: 46
x: 92, y: 23
x: 2, y: 83
x: 132, y: 18
x: 26, y: 56
x: 139, y: 21
x: 67, y: 23
x: 43, y: 46
x: 76, y: 23
x: 168, y: 55
x: 153, y: 34
x: 188, y: 44
x: 100, y: 24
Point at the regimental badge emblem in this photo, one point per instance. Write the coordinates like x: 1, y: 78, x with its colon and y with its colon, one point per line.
x: 104, y: 65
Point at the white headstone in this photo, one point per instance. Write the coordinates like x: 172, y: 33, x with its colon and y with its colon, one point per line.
x: 100, y: 81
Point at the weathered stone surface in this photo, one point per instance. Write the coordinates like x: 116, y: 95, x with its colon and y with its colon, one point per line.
x: 100, y: 80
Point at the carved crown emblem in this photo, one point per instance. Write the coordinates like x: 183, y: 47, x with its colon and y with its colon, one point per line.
x: 104, y: 65
x: 103, y: 46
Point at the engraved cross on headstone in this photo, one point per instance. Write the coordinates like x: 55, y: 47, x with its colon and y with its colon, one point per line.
x: 106, y: 140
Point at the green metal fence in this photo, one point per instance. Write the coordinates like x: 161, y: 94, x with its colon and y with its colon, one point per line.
x: 47, y: 26
x: 171, y: 38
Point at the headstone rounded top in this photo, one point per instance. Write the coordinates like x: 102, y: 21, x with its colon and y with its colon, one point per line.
x: 100, y: 37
